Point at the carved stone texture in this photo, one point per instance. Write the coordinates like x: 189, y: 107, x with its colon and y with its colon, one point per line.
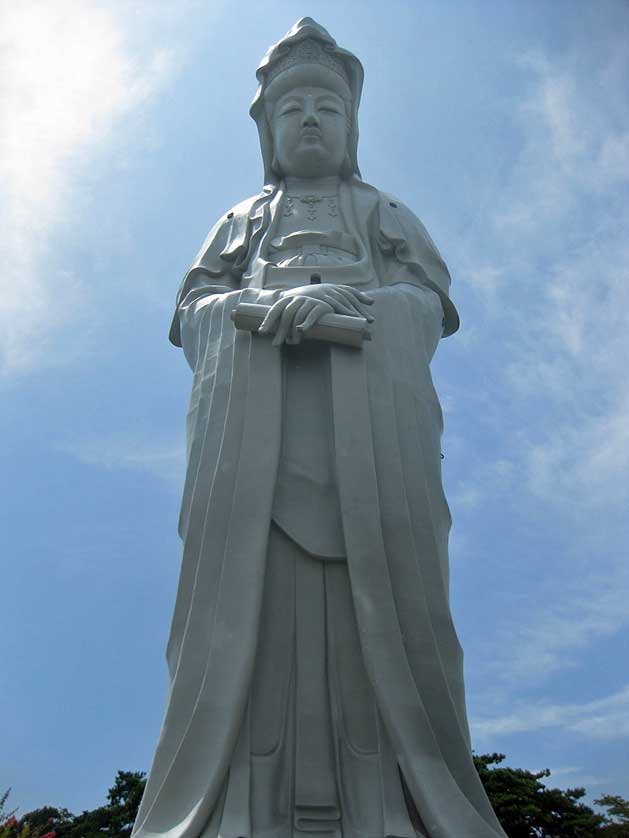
x: 316, y: 676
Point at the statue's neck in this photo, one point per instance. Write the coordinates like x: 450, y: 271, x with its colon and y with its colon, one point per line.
x: 312, y: 186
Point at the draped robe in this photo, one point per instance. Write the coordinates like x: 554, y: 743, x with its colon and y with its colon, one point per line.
x: 387, y: 425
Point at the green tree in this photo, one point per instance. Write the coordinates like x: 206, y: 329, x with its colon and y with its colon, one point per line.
x: 526, y: 808
x: 4, y: 815
x: 124, y: 800
x: 9, y: 824
x: 46, y: 820
x: 113, y: 820
x: 617, y: 825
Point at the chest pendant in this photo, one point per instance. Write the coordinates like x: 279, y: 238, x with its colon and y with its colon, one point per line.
x: 311, y: 202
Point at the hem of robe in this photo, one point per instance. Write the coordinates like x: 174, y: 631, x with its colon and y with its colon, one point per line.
x: 355, y: 770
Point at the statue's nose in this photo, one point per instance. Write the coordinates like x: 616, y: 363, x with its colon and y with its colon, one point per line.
x: 310, y: 115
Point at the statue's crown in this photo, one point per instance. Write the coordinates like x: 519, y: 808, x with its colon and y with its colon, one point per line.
x: 308, y: 51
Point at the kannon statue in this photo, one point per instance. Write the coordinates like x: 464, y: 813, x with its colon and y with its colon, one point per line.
x: 316, y: 679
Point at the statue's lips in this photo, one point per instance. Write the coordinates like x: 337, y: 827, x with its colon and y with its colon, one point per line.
x: 311, y: 133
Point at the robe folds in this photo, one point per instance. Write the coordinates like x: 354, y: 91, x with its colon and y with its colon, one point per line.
x: 387, y: 425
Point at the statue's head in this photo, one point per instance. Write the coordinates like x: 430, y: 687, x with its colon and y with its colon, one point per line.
x: 308, y: 109
x: 306, y: 106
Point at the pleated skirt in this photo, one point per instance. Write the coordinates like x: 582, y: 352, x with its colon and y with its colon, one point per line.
x: 313, y: 758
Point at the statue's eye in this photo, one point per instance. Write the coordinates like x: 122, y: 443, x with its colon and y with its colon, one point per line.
x: 329, y: 109
x: 290, y: 109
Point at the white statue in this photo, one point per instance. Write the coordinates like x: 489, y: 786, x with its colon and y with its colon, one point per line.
x: 316, y: 676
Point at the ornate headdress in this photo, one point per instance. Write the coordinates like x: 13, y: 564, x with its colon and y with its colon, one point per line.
x: 307, y: 50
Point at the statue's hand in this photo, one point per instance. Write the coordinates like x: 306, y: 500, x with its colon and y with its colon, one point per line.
x: 300, y: 308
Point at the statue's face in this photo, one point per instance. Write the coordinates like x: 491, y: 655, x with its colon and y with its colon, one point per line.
x: 309, y: 126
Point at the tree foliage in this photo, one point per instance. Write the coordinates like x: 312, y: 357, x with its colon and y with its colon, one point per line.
x: 113, y: 820
x: 617, y: 825
x: 527, y: 808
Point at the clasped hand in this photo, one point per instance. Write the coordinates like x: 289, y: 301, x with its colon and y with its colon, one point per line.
x: 300, y: 308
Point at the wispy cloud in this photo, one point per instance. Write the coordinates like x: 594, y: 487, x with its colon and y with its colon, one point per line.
x: 576, y: 776
x: 604, y: 719
x: 578, y: 611
x: 164, y: 459
x: 576, y: 142
x: 555, y: 229
x: 67, y: 76
x: 568, y: 199
x: 571, y: 359
x: 546, y: 263
x: 490, y: 481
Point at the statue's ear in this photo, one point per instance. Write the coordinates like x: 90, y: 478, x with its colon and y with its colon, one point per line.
x: 346, y: 169
x: 275, y: 166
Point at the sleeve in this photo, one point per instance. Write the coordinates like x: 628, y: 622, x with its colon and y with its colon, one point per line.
x: 411, y: 256
x: 217, y: 268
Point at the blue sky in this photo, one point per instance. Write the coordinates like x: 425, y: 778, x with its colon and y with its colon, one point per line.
x: 505, y: 126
